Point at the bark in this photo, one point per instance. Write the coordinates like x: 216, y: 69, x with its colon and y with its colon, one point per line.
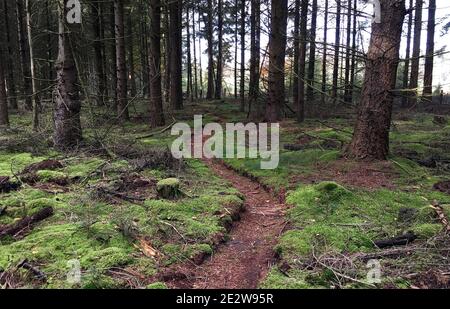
x: 4, y: 117
x: 218, y: 93
x: 156, y: 99
x: 371, y: 134
x: 24, y: 55
x: 194, y: 41
x: 68, y: 105
x: 10, y: 60
x: 176, y: 91
x: 190, y: 92
x: 255, y: 20
x: 98, y: 39
x: 130, y: 46
x: 347, y: 95
x: 415, y: 62
x: 296, y: 50
x: 277, y: 53
x: 312, y: 53
x: 353, y: 62
x: 209, y: 37
x: 242, y: 79
x: 324, y: 55
x: 337, y: 42
x: 302, y: 61
x: 143, y: 31
x: 166, y: 54
x: 429, y: 60
x: 34, y: 99
x: 121, y: 63
x: 236, y: 47
x: 408, y: 53
x: 113, y: 55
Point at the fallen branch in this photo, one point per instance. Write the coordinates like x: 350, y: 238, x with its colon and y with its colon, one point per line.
x: 13, y: 229
x: 158, y: 133
x: 38, y: 274
x: 441, y: 215
x: 402, y: 240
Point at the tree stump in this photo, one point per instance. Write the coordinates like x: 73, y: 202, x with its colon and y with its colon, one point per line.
x: 169, y: 189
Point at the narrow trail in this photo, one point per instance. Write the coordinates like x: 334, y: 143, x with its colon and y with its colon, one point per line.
x: 245, y: 259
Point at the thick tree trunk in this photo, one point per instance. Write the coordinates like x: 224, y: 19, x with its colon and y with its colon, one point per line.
x: 156, y: 100
x: 166, y: 53
x: 277, y: 54
x: 324, y: 55
x: 121, y: 62
x: 98, y: 39
x: 415, y: 62
x: 408, y: 53
x: 302, y: 61
x: 176, y: 91
x: 209, y: 36
x: 24, y: 55
x: 10, y: 60
x: 242, y: 78
x: 429, y: 60
x: 68, y: 105
x: 337, y: 42
x: 371, y: 135
x: 312, y: 53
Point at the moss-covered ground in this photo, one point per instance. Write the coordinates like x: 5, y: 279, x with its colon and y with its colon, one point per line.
x: 338, y: 208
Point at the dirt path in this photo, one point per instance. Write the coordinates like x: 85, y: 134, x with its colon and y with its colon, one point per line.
x: 245, y: 259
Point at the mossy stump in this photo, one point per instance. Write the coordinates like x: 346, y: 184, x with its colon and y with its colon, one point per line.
x: 169, y: 189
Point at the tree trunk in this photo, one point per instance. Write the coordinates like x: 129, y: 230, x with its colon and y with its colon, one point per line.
x: 166, y: 53
x: 408, y: 53
x: 112, y: 46
x: 218, y: 93
x: 4, y: 117
x: 35, y: 105
x: 130, y: 46
x: 121, y: 62
x: 347, y: 95
x: 337, y: 42
x: 254, y: 108
x: 200, y: 67
x: 176, y: 91
x: 190, y: 91
x: 296, y: 50
x: 371, y: 134
x: 144, y: 50
x: 242, y: 78
x: 324, y: 56
x: 277, y: 53
x: 209, y: 36
x: 236, y: 32
x: 302, y: 61
x: 312, y: 53
x: 24, y: 55
x: 98, y: 39
x: 415, y: 62
x: 156, y: 100
x: 68, y: 105
x: 10, y: 60
x: 194, y: 41
x: 429, y: 60
x: 353, y: 62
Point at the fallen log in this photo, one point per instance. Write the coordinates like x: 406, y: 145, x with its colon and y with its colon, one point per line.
x: 13, y: 229
x: 402, y: 240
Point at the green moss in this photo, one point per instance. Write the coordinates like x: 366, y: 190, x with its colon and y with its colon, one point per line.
x: 84, y: 167
x: 157, y: 286
x: 14, y: 163
x: 427, y: 230
x: 277, y: 280
x: 51, y: 176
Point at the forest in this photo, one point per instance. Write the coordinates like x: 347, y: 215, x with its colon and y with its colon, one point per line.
x: 321, y: 160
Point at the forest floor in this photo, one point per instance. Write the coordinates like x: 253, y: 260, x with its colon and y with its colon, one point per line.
x: 314, y: 222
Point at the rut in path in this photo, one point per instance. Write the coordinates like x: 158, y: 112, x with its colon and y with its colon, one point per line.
x: 245, y: 259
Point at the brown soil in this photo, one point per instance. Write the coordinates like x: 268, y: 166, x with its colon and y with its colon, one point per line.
x: 443, y: 186
x: 245, y: 259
